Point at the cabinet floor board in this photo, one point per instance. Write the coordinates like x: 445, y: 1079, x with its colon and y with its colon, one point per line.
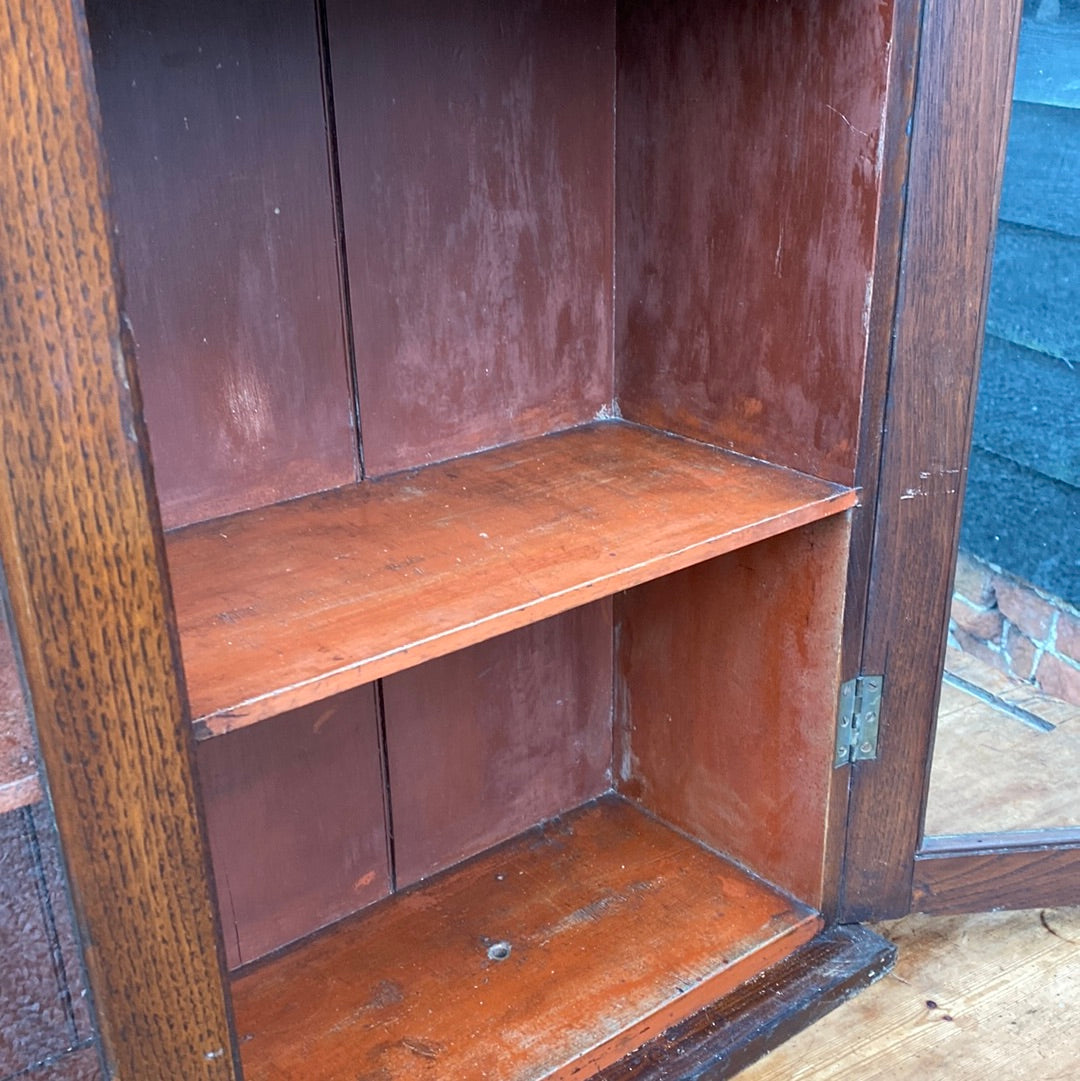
x: 616, y: 927
x: 283, y: 606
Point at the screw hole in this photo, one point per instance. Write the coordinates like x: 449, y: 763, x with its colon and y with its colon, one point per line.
x: 498, y: 951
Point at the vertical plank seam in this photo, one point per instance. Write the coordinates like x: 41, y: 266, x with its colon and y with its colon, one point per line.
x: 334, y: 167
x: 48, y: 917
x: 384, y: 768
x: 614, y: 312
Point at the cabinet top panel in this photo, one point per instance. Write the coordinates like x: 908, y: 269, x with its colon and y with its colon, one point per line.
x: 286, y: 605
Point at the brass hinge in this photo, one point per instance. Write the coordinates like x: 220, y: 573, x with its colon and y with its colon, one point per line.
x: 857, y: 719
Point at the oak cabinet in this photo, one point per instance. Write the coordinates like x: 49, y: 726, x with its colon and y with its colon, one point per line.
x: 433, y: 436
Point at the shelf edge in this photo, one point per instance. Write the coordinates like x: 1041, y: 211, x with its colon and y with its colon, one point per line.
x: 21, y: 792
x: 223, y: 720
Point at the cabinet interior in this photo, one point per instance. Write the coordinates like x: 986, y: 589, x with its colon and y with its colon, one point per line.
x: 502, y: 367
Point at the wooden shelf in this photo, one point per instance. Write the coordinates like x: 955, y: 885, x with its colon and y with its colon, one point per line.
x: 19, y: 786
x: 618, y: 927
x: 283, y: 606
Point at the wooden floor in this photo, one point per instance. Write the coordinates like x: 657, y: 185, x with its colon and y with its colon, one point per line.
x: 993, y: 995
x: 990, y: 996
x: 993, y: 770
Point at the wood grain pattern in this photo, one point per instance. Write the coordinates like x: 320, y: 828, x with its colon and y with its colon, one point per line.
x: 476, y: 147
x: 957, y: 151
x: 488, y: 741
x: 752, y: 1020
x: 295, y: 813
x: 399, y: 571
x: 86, y: 576
x: 728, y: 679
x: 971, y: 997
x: 895, y: 152
x: 749, y: 166
x: 1003, y: 872
x: 992, y: 771
x: 19, y: 785
x: 218, y: 159
x: 618, y: 928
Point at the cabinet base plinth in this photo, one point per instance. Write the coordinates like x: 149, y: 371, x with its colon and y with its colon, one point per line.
x: 742, y: 1026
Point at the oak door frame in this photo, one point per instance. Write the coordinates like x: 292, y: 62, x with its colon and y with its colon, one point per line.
x: 959, y: 128
x: 83, y: 558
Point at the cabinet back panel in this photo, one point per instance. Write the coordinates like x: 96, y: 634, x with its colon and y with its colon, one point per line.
x: 728, y: 680
x: 748, y: 163
x: 295, y: 813
x: 216, y: 137
x: 44, y: 1008
x: 486, y: 742
x: 476, y: 151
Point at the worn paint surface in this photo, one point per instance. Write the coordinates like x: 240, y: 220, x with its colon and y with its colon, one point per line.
x: 294, y: 809
x: 281, y: 607
x: 737, y: 750
x: 214, y: 127
x: 749, y: 171
x: 476, y: 145
x: 490, y: 740
x: 617, y: 927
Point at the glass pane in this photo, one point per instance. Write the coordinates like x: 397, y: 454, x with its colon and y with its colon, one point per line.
x: 1007, y: 754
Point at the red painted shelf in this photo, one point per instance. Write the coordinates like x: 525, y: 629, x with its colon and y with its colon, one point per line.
x: 282, y: 606
x: 19, y: 785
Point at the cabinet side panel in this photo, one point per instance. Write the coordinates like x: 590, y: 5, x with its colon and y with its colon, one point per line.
x: 491, y: 740
x: 749, y: 165
x: 83, y: 1065
x: 67, y: 956
x: 42, y: 1008
x: 476, y: 150
x: 726, y: 696
x: 295, y: 813
x: 216, y: 137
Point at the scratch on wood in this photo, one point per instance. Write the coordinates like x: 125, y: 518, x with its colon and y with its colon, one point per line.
x: 941, y: 482
x: 846, y: 121
x: 419, y: 1047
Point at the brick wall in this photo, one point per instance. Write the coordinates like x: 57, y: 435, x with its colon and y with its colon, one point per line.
x: 1016, y: 627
